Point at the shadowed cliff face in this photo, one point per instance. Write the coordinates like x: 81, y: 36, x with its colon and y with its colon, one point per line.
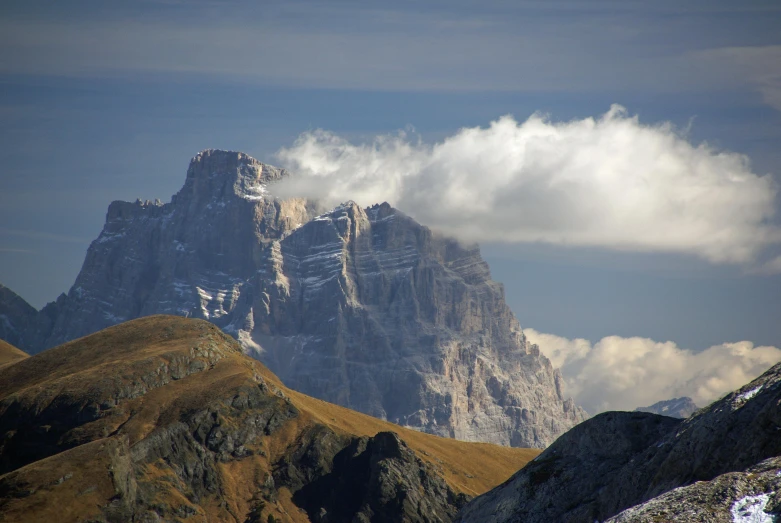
x: 165, y: 418
x: 721, y: 464
x: 16, y: 318
x: 362, y: 307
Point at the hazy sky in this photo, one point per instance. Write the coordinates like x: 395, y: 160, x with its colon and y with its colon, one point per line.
x: 102, y: 101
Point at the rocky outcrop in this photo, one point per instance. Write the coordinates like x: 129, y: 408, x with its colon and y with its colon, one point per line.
x: 375, y: 479
x: 675, y: 408
x: 721, y: 460
x: 750, y: 496
x: 165, y: 418
x: 362, y: 307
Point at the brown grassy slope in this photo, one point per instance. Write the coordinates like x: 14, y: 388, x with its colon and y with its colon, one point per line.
x: 10, y: 354
x: 154, y: 372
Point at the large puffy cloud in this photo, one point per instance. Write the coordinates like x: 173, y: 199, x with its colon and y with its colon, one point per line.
x: 624, y: 373
x: 609, y: 182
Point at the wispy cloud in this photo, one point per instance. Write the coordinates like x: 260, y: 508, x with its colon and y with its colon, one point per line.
x: 519, y: 46
x: 619, y: 373
x: 758, y: 67
x: 772, y: 266
x: 609, y: 182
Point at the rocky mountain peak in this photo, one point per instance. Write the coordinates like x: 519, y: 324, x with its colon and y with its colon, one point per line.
x: 349, y: 220
x: 675, y: 408
x: 220, y: 175
x: 363, y: 307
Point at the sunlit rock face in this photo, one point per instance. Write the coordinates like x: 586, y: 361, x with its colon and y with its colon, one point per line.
x: 369, y: 309
x: 361, y: 307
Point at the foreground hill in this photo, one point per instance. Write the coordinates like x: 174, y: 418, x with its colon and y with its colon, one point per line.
x: 723, y: 464
x: 165, y: 418
x: 363, y: 307
x: 10, y: 354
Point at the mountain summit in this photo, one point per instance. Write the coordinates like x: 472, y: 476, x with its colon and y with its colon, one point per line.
x: 363, y: 307
x: 675, y: 408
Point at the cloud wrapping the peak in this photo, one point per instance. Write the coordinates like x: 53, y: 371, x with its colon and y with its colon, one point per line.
x: 609, y: 182
x: 619, y: 373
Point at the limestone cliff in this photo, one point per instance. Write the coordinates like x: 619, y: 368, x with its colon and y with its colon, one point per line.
x: 362, y: 307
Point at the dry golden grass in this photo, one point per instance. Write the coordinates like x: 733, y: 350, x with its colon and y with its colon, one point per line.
x: 94, y: 365
x: 62, y: 492
x: 468, y: 467
x: 471, y: 468
x: 10, y: 354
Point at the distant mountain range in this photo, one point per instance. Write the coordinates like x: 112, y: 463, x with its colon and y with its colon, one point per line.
x: 676, y: 407
x: 362, y: 307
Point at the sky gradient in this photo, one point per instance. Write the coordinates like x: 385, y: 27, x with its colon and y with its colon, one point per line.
x: 103, y: 102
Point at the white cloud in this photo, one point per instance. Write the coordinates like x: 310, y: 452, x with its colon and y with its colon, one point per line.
x: 624, y: 373
x: 610, y: 182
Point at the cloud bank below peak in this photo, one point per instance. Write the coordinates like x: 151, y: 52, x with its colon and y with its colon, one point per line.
x: 610, y: 182
x: 618, y: 373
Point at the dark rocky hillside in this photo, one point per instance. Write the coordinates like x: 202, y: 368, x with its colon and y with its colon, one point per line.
x: 721, y: 464
x: 165, y: 419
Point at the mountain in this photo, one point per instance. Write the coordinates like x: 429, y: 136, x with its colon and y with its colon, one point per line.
x: 16, y: 317
x: 165, y: 419
x: 365, y: 308
x: 675, y: 408
x: 721, y: 464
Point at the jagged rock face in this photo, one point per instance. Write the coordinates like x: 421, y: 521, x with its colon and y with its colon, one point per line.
x: 750, y: 496
x: 376, y: 479
x: 723, y: 459
x: 362, y: 307
x: 194, y: 256
x: 675, y: 408
x: 16, y: 315
x: 164, y: 419
x: 370, y: 310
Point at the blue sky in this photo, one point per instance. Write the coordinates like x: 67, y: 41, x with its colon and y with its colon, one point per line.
x: 104, y: 101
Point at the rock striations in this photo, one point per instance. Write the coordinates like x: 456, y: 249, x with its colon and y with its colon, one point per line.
x: 362, y: 307
x: 165, y: 419
x: 721, y: 464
